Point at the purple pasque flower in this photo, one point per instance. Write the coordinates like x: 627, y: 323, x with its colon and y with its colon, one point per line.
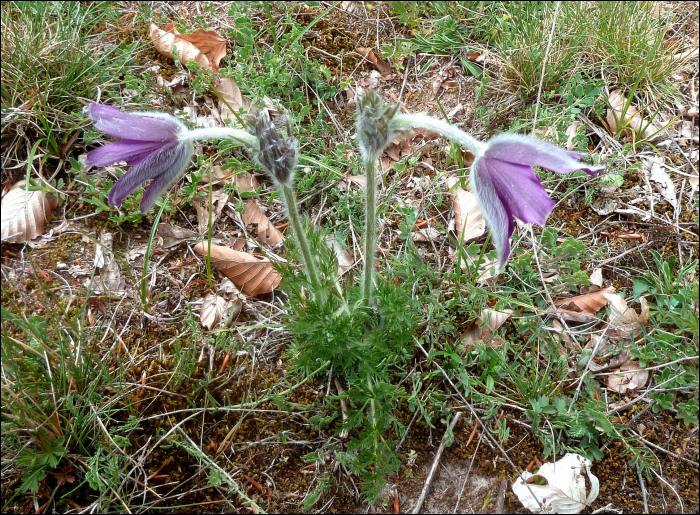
x: 153, y: 144
x: 506, y: 185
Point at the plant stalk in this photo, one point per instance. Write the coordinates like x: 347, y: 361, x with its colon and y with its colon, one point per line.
x: 295, y: 220
x: 370, y: 232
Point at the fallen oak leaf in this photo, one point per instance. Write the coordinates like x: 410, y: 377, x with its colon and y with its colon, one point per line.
x: 165, y: 41
x: 583, y: 307
x: 266, y: 233
x: 25, y: 213
x: 629, y: 376
x: 379, y: 63
x: 253, y: 274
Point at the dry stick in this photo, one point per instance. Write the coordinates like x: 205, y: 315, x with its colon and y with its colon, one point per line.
x: 484, y: 429
x: 659, y: 448
x: 644, y: 490
x: 429, y: 479
x: 500, y: 500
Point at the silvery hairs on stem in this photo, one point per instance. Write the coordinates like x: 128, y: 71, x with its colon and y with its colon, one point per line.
x: 501, y: 177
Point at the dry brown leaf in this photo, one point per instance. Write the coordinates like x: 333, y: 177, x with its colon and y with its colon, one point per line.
x: 245, y: 182
x: 632, y: 118
x: 469, y: 220
x: 571, y: 134
x: 25, y: 213
x: 584, y: 307
x: 444, y: 79
x: 379, y: 63
x: 208, y: 42
x: 489, y: 322
x: 253, y: 274
x: 663, y: 182
x: 596, y: 277
x: 624, y: 319
x: 217, y: 175
x: 109, y: 280
x: 201, y: 204
x: 231, y: 93
x: 173, y: 236
x: 266, y: 233
x: 344, y: 256
x: 630, y: 377
x: 212, y: 309
x: 165, y: 40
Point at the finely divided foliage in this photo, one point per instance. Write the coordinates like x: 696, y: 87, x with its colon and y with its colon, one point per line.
x: 506, y: 341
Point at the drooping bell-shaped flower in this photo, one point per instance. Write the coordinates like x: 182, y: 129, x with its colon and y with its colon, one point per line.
x: 505, y: 184
x: 156, y: 145
x: 150, y: 143
x: 502, y: 177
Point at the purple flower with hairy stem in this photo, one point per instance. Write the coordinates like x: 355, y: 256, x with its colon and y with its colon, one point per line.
x: 505, y: 184
x: 157, y: 146
x: 502, y: 177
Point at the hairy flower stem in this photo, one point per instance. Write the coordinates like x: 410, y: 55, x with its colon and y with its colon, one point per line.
x: 407, y: 121
x: 370, y: 232
x: 295, y: 220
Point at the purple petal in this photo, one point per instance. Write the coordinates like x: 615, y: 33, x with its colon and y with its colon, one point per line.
x: 519, y: 189
x: 522, y: 150
x: 496, y: 213
x: 131, y: 151
x: 139, y: 126
x: 170, y: 161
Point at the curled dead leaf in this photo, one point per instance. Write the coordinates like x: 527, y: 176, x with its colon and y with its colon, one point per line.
x: 583, y: 307
x: 212, y: 309
x: 631, y: 119
x: 489, y: 322
x: 344, y: 256
x: 626, y: 320
x: 662, y: 181
x: 166, y: 40
x: 25, y: 213
x: 630, y: 376
x: 253, y: 274
x: 558, y: 487
x: 173, y: 235
x: 469, y: 220
x: 379, y: 63
x: 265, y: 232
x: 219, y: 199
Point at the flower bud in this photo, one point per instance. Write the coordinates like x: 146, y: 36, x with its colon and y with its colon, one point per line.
x: 277, y: 155
x: 374, y: 129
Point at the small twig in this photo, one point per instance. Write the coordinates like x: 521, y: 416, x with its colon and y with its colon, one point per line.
x: 644, y: 490
x: 429, y: 479
x: 672, y: 454
x: 607, y: 507
x: 343, y: 408
x: 501, y: 496
x: 680, y: 501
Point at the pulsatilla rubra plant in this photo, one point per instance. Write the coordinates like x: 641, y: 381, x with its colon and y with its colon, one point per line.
x: 364, y: 332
